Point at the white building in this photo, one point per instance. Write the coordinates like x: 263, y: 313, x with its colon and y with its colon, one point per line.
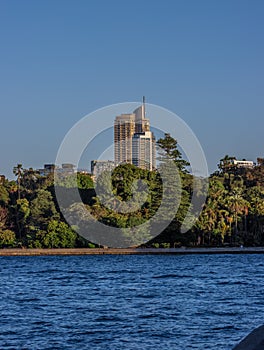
x: 242, y: 163
x: 143, y: 150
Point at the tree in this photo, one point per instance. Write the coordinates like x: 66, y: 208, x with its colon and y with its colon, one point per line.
x: 237, y: 205
x: 255, y: 198
x: 226, y: 163
x: 4, y: 196
x: 18, y: 171
x: 83, y: 181
x: 59, y: 235
x: 7, y: 238
x: 260, y: 161
x: 168, y: 147
x: 21, y: 214
x: 42, y: 210
x: 3, y: 217
x: 212, y: 224
x: 31, y: 181
x: 178, y: 188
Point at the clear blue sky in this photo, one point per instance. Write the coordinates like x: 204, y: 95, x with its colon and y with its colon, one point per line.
x: 62, y: 59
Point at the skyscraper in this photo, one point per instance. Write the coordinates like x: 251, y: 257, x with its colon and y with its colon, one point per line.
x: 124, y: 130
x: 143, y: 150
x: 134, y: 142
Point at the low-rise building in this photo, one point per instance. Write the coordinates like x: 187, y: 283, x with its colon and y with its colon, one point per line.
x: 68, y: 168
x: 228, y: 164
x: 243, y: 163
x: 47, y: 170
x: 99, y: 166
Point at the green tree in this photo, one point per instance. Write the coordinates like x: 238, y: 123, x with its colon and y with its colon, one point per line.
x: 3, y: 217
x: 21, y: 214
x: 255, y: 198
x: 7, y: 238
x: 178, y: 188
x: 237, y: 205
x: 31, y: 181
x: 18, y: 171
x: 168, y: 147
x: 226, y: 164
x: 59, y: 235
x: 4, y: 196
x: 84, y: 181
x: 42, y: 210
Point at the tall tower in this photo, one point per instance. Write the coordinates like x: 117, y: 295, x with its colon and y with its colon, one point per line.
x: 124, y: 129
x: 134, y: 142
x: 144, y: 151
x: 142, y: 123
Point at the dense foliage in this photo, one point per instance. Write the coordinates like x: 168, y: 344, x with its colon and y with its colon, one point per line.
x: 29, y: 216
x: 232, y: 215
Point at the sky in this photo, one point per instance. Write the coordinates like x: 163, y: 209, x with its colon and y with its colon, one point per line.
x: 63, y: 59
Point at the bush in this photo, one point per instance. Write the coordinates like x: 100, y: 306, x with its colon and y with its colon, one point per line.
x: 165, y: 245
x: 155, y: 245
x: 7, y: 238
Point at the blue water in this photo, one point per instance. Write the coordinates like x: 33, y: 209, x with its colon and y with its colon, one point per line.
x: 130, y: 302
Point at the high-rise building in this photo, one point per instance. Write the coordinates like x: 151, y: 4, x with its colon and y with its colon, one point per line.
x: 141, y: 122
x: 124, y: 130
x: 134, y: 142
x: 143, y: 150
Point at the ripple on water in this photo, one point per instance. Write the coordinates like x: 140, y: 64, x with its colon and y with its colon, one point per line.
x: 130, y: 302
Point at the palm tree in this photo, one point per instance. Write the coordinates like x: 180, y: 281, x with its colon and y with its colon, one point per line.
x: 18, y: 171
x: 255, y: 197
x: 223, y: 224
x: 226, y: 163
x: 207, y: 221
x: 237, y: 205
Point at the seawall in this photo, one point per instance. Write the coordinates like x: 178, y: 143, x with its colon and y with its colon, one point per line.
x: 128, y: 251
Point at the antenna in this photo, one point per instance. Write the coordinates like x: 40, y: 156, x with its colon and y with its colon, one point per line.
x: 144, y: 107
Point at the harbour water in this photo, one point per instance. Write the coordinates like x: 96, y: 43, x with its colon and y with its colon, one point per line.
x: 130, y: 302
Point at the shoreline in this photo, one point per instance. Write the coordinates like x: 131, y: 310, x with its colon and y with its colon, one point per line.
x: 128, y: 251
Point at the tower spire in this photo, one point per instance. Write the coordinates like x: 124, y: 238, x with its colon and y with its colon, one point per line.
x: 144, y: 107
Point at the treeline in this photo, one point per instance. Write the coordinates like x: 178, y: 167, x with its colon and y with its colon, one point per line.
x: 234, y: 210
x: 29, y: 214
x: 233, y: 213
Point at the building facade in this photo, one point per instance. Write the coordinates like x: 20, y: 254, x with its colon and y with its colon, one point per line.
x: 99, y: 166
x: 233, y: 163
x: 124, y: 129
x: 243, y: 163
x: 134, y: 142
x: 47, y: 170
x: 143, y: 150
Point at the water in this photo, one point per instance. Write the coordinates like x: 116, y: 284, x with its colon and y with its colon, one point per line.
x: 130, y: 302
